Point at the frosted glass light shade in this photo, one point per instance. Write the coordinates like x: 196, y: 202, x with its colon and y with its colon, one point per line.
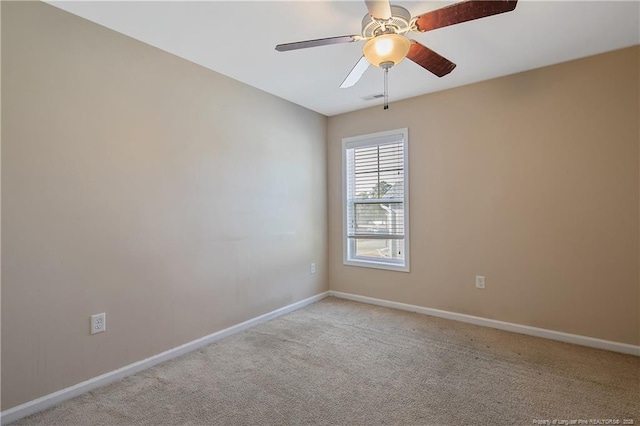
x: 386, y: 48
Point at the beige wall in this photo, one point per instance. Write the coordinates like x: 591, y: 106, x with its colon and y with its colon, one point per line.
x: 135, y: 183
x: 531, y: 180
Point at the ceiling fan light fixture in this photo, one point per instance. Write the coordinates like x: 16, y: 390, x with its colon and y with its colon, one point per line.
x: 386, y: 48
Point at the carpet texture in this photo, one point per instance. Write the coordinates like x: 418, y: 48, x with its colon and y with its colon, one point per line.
x: 338, y: 362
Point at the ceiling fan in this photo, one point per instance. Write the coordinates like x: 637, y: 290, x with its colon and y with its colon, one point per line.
x: 385, y: 30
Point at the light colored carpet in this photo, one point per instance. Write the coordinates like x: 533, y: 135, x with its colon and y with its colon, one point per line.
x: 340, y: 362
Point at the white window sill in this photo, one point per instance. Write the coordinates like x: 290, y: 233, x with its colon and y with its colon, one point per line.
x: 377, y: 265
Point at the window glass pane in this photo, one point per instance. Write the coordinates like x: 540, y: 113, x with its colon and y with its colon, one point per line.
x: 379, y: 248
x: 377, y: 218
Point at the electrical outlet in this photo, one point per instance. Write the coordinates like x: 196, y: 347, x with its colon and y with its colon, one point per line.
x: 312, y: 268
x: 98, y: 323
x: 479, y: 281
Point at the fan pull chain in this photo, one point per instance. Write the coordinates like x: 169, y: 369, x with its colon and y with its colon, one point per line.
x: 386, y: 88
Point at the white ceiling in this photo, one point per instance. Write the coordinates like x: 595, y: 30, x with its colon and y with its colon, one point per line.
x: 237, y: 38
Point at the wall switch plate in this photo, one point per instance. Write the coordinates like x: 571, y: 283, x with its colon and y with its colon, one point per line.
x: 98, y: 323
x: 479, y: 281
x: 312, y: 268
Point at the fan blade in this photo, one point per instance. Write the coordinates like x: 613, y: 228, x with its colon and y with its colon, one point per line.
x: 318, y: 42
x: 379, y: 9
x: 356, y: 73
x: 462, y: 12
x: 430, y: 60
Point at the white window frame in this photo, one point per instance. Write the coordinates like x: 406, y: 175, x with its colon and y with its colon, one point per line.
x: 348, y: 245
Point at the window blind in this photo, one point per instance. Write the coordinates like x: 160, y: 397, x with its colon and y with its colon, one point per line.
x: 375, y: 190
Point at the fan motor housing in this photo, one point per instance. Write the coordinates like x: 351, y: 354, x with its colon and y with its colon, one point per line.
x: 400, y: 21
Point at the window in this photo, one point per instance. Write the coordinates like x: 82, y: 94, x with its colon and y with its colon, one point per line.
x: 375, y: 199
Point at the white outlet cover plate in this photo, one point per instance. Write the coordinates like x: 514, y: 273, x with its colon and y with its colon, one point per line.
x: 98, y: 323
x: 479, y: 281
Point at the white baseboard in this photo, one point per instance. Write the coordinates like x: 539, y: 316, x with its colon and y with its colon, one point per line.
x: 501, y: 325
x: 47, y: 401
